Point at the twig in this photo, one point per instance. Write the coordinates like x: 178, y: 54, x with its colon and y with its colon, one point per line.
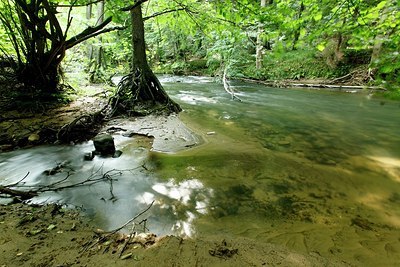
x: 133, y: 233
x: 110, y: 233
x: 131, y: 220
x: 14, y: 184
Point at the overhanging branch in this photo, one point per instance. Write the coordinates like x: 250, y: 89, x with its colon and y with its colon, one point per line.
x: 81, y: 5
x: 89, y: 32
x: 137, y: 3
x: 163, y: 12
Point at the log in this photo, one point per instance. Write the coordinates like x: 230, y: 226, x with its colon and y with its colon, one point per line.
x: 288, y: 84
x: 24, y: 195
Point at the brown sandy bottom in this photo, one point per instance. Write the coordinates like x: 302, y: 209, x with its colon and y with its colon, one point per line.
x: 52, y: 236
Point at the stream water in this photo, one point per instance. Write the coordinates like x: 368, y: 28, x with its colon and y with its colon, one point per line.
x: 314, y: 171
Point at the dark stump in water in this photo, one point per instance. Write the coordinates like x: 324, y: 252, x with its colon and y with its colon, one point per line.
x: 104, y: 144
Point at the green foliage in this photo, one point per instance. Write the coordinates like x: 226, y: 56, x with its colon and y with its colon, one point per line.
x: 292, y: 65
x: 302, y: 38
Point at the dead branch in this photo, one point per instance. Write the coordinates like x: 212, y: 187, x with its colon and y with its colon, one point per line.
x: 15, y: 189
x: 228, y: 88
x: 132, y: 219
x: 105, y: 235
x: 22, y: 195
x: 163, y: 12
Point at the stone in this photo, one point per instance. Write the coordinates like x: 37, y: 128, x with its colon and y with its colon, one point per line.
x: 88, y: 156
x: 284, y: 143
x: 33, y: 138
x: 104, y: 144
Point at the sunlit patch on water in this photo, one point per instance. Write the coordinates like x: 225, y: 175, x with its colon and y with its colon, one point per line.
x: 380, y: 203
x: 186, y: 199
x: 389, y: 165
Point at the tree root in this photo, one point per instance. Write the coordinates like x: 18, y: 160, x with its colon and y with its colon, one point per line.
x: 141, y: 93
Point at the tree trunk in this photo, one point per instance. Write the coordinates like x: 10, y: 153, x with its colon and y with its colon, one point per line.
x: 298, y: 29
x: 145, y: 89
x: 96, y: 52
x: 259, y: 43
x: 376, y: 49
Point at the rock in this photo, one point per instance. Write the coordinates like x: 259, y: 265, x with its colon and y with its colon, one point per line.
x: 104, y: 144
x: 284, y: 143
x: 88, y: 156
x: 117, y: 154
x: 33, y: 138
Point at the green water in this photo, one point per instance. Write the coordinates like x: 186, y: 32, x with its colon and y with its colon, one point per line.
x: 315, y: 171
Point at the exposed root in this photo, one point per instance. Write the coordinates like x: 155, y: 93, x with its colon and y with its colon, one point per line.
x: 141, y: 93
x: 359, y: 76
x: 81, y: 128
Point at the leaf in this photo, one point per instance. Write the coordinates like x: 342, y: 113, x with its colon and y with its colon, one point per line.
x: 321, y: 47
x: 35, y: 232
x: 318, y: 17
x: 51, y: 227
x: 126, y: 256
x: 303, y: 32
x: 373, y: 15
x: 381, y: 5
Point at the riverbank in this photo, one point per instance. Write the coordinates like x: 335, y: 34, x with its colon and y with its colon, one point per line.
x: 52, y: 236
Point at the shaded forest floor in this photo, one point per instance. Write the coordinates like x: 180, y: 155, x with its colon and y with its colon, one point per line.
x: 31, y: 125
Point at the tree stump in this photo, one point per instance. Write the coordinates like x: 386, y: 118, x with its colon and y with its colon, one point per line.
x: 104, y: 144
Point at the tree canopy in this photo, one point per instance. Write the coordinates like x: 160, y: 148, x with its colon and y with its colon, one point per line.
x: 296, y: 39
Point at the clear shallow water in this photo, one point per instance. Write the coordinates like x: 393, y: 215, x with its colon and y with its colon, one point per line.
x: 315, y: 171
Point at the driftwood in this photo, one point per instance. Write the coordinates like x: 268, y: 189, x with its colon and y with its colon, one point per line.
x: 19, y: 192
x: 289, y: 83
x: 229, y: 89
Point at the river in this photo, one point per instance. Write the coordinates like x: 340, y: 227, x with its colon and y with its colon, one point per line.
x: 316, y: 171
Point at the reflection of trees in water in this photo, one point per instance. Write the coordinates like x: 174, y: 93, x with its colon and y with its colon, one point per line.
x: 181, y: 202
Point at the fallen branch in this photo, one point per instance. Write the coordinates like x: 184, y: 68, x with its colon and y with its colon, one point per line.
x: 15, y: 189
x: 229, y: 89
x: 105, y: 235
x: 288, y: 84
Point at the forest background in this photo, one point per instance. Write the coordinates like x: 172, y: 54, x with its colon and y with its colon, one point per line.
x: 345, y: 42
